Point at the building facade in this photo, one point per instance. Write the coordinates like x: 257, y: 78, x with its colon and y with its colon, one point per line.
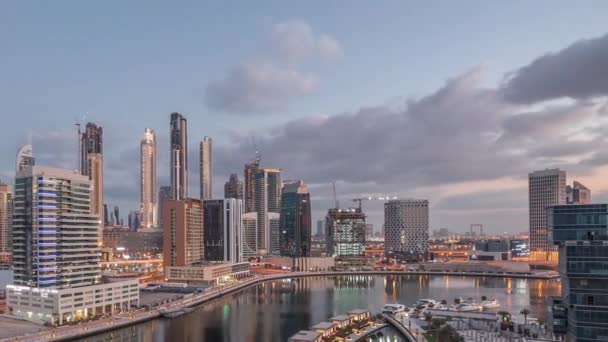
x: 267, y: 200
x: 24, y: 158
x: 249, y: 240
x: 179, y: 156
x: 577, y: 194
x: 91, y: 164
x: 345, y: 232
x: 250, y: 171
x: 147, y: 179
x: 6, y: 225
x: 223, y: 229
x: 295, y: 220
x: 233, y: 188
x: 55, y: 235
x: 581, y: 232
x: 183, y: 233
x: 406, y: 228
x: 546, y: 188
x: 164, y: 194
x: 210, y: 274
x: 206, y: 168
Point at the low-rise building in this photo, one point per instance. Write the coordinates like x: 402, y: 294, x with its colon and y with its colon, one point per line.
x: 302, y: 263
x: 326, y: 329
x: 59, y: 306
x: 210, y: 274
x: 342, y: 321
x: 359, y: 314
x: 306, y: 336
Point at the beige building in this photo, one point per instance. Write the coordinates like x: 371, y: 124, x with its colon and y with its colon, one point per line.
x: 206, y: 168
x: 212, y: 274
x: 147, y: 179
x: 546, y: 188
x: 95, y: 162
x: 6, y: 211
x: 183, y: 235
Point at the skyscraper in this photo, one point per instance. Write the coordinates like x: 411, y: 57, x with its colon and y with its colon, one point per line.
x: 581, y: 232
x: 267, y: 191
x: 179, y: 157
x: 233, y: 188
x: 91, y: 164
x: 222, y: 222
x: 183, y: 233
x: 164, y: 194
x: 546, y: 188
x: 206, y: 168
x: 55, y: 233
x: 249, y: 238
x: 345, y: 235
x: 6, y: 221
x: 406, y: 228
x: 577, y: 194
x: 116, y: 215
x: 147, y: 179
x: 250, y: 170
x: 295, y: 220
x: 320, y: 228
x: 134, y: 220
x: 106, y: 216
x: 24, y: 158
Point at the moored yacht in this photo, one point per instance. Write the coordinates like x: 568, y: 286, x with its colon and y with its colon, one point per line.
x: 393, y: 308
x: 490, y: 304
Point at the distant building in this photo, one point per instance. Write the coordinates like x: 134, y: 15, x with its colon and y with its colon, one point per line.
x: 295, y: 220
x: 581, y: 232
x: 24, y: 158
x: 406, y: 232
x: 147, y: 179
x: 223, y: 221
x: 6, y: 222
x: 164, y: 194
x: 183, y: 234
x: 577, y: 194
x: 345, y: 232
x: 206, y: 168
x: 250, y: 171
x: 233, y: 187
x: 369, y: 231
x: 117, y: 216
x: 179, y: 156
x: 519, y: 248
x: 249, y: 235
x: 320, y: 228
x: 267, y: 200
x: 134, y: 220
x: 106, y: 216
x: 146, y: 241
x: 491, y: 250
x: 546, y: 188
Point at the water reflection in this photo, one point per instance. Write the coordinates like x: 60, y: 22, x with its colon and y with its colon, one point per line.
x: 273, y: 311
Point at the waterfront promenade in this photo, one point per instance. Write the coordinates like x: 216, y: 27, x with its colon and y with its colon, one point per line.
x: 71, y: 332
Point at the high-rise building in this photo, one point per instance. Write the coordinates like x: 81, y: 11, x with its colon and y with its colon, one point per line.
x: 295, y: 226
x: 134, y: 220
x: 183, y: 233
x: 345, y: 234
x: 55, y: 233
x: 577, y: 194
x: 179, y: 156
x: 233, y: 188
x: 106, y: 216
x: 56, y: 251
x: 116, y: 215
x: 406, y: 228
x: 250, y: 170
x: 546, y: 188
x: 6, y: 222
x: 147, y: 179
x: 267, y: 191
x: 91, y: 141
x: 206, y: 168
x: 91, y: 165
x: 320, y: 228
x: 249, y: 238
x: 223, y: 234
x: 164, y: 194
x: 24, y: 158
x: 581, y: 232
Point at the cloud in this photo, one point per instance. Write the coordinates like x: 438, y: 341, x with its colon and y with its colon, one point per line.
x: 295, y: 42
x: 577, y: 72
x: 258, y: 87
x: 276, y: 79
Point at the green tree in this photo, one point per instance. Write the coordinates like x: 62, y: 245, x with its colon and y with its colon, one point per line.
x: 525, y: 312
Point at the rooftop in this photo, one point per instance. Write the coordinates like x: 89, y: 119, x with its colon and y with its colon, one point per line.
x: 340, y: 318
x: 305, y: 335
x: 324, y: 325
x: 357, y: 312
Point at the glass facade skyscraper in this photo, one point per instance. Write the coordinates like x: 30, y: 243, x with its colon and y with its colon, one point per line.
x: 295, y: 225
x: 581, y: 232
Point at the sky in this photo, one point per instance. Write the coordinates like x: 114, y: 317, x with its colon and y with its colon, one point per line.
x: 455, y: 102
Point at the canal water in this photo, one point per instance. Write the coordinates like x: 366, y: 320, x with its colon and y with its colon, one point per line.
x: 274, y: 311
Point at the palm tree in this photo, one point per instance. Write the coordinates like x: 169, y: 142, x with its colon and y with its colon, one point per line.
x: 444, y: 302
x: 484, y: 298
x: 456, y: 301
x: 525, y: 312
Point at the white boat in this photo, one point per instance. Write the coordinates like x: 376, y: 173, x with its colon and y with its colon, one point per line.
x: 490, y: 304
x: 467, y: 307
x: 427, y: 302
x: 441, y: 307
x: 393, y: 308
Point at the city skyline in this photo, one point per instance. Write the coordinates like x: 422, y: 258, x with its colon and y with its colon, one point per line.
x: 491, y: 174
